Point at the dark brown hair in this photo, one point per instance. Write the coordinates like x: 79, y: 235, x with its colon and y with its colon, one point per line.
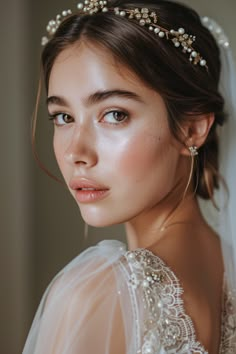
x: 187, y: 89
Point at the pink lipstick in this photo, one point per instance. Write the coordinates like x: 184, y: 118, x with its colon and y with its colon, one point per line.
x: 87, y: 191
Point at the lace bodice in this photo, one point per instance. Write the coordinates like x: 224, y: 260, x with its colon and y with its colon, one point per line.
x: 165, y: 326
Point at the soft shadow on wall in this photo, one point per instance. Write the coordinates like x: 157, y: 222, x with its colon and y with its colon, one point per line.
x: 15, y: 178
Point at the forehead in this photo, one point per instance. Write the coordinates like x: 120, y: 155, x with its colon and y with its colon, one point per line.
x: 85, y: 65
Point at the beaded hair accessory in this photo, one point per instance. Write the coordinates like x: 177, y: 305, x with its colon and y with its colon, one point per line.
x: 143, y: 16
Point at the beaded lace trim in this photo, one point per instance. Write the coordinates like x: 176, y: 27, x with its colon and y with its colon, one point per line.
x: 165, y: 325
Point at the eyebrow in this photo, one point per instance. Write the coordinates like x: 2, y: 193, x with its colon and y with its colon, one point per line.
x: 97, y: 97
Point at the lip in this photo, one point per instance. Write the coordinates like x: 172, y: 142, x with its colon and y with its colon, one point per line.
x: 87, y: 190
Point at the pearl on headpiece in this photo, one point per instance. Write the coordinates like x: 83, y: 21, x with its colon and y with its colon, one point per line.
x: 203, y: 62
x: 44, y: 40
x: 181, y: 30
x: 161, y: 34
x: 194, y: 54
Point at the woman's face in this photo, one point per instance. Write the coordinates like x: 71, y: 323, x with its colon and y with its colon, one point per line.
x: 111, y: 140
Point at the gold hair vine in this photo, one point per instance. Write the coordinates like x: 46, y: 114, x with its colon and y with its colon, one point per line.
x: 143, y: 16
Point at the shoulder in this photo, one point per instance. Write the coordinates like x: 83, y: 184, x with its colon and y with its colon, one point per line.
x: 94, y: 268
x: 83, y: 302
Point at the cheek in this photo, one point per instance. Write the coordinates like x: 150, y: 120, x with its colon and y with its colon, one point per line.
x: 145, y: 157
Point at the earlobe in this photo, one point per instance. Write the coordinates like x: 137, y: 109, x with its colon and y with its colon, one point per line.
x: 196, y: 131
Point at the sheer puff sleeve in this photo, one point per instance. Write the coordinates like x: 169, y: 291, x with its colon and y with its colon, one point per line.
x: 87, y: 308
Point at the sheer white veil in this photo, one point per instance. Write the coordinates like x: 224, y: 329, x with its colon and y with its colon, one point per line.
x: 225, y: 220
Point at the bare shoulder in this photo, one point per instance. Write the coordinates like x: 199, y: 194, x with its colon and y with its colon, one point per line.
x: 190, y: 248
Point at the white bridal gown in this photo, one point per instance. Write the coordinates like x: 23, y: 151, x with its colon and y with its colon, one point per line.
x: 112, y: 301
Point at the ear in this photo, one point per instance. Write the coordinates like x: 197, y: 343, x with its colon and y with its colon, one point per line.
x: 195, y: 131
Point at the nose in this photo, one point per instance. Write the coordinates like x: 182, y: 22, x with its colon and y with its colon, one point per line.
x: 81, y: 149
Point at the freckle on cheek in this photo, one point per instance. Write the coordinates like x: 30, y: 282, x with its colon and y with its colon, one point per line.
x: 155, y: 138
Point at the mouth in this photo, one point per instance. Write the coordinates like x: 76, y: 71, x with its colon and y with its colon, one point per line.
x: 87, y: 190
x: 89, y: 195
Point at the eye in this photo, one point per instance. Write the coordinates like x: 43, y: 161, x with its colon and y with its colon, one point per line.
x: 115, y: 117
x: 61, y: 118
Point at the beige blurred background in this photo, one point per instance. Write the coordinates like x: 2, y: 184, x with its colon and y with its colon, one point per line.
x: 40, y: 226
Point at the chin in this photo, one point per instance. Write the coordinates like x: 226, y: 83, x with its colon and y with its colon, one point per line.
x: 98, y: 224
x: 96, y: 219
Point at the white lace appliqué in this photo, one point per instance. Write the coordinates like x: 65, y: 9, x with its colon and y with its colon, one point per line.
x: 165, y: 326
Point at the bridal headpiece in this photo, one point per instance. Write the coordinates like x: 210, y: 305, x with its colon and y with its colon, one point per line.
x: 143, y: 16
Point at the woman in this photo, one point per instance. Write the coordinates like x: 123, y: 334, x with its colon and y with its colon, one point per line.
x: 133, y: 93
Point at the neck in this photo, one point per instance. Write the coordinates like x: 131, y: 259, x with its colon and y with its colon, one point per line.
x: 147, y: 229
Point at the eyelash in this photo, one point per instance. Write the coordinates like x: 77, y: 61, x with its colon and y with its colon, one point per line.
x: 123, y: 121
x: 54, y: 116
